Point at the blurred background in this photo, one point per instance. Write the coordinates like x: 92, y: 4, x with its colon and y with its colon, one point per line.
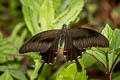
x: 95, y: 14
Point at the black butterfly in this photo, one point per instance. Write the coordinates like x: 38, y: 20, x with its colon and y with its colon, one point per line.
x: 75, y: 40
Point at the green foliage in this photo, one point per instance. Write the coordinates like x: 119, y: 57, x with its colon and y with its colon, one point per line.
x: 86, y: 58
x: 46, y: 13
x: 41, y: 15
x: 108, y: 33
x: 117, y: 78
x: 116, y: 40
x: 6, y: 76
x: 108, y: 57
x: 70, y: 15
x: 71, y: 73
x: 49, y: 14
x: 10, y: 45
x: 8, y: 50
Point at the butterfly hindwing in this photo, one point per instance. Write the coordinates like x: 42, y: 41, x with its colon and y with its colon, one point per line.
x: 72, y: 51
x: 50, y: 55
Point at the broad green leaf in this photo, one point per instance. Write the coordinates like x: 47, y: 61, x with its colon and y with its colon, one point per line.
x: 45, y: 74
x: 5, y: 50
x: 38, y: 14
x: 111, y: 57
x: 37, y: 67
x: 100, y: 56
x: 10, y: 66
x: 117, y: 51
x: 31, y: 13
x: 116, y: 42
x: 28, y: 20
x: 3, y: 68
x: 2, y: 58
x: 115, y: 75
x: 1, y: 36
x: 117, y: 78
x: 29, y: 73
x: 60, y: 6
x: 6, y: 76
x: 9, y: 46
x: 71, y: 73
x: 16, y: 30
x: 88, y: 60
x: 18, y: 74
x: 47, y: 14
x: 108, y: 33
x: 38, y: 63
x: 70, y: 14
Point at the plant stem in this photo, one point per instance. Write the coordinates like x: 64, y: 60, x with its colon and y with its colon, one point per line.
x: 109, y: 75
x: 107, y: 62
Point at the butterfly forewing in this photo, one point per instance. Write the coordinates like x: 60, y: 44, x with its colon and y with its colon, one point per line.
x: 40, y: 42
x: 84, y: 38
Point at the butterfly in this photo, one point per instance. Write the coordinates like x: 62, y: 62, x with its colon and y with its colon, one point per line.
x: 74, y: 40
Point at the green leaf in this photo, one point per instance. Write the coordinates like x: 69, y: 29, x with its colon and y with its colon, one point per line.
x: 2, y: 58
x: 38, y: 63
x: 100, y: 56
x: 31, y: 11
x: 1, y: 36
x: 3, y: 68
x: 45, y: 74
x: 16, y: 30
x: 18, y: 74
x: 60, y: 6
x: 37, y: 67
x: 117, y: 51
x: 70, y: 14
x: 9, y: 46
x: 28, y: 20
x: 111, y: 56
x: 71, y: 73
x: 47, y: 14
x: 6, y: 76
x: 5, y: 50
x: 108, y: 33
x: 116, y: 42
x: 88, y: 60
x: 117, y: 78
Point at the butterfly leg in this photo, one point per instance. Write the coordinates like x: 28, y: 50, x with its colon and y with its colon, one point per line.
x: 78, y: 65
x: 41, y: 68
